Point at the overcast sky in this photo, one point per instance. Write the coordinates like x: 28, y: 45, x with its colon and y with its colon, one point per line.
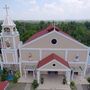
x: 47, y: 9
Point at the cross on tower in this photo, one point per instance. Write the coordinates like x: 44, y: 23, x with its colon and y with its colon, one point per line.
x: 6, y: 8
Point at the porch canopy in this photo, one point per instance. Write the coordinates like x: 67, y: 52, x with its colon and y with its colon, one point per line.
x: 53, y: 62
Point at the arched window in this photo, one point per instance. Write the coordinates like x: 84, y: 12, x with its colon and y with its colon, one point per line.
x: 14, y: 29
x: 6, y: 29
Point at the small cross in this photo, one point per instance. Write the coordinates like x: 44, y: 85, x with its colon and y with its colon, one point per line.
x: 6, y: 8
x: 54, y: 25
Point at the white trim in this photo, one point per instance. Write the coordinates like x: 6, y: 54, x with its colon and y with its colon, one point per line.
x: 10, y: 35
x: 59, y: 34
x: 86, y: 65
x: 69, y: 49
x: 10, y: 63
x: 9, y: 49
x: 24, y: 61
x: 76, y: 62
x: 28, y: 69
x: 54, y: 69
x: 50, y: 63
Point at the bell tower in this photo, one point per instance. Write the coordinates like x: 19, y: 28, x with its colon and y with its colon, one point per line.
x: 9, y: 40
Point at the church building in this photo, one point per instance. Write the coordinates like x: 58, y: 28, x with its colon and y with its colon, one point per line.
x: 48, y: 52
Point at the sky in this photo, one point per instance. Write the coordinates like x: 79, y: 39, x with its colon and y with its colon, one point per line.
x: 46, y: 9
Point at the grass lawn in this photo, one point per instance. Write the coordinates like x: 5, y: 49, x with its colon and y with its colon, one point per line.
x: 16, y: 86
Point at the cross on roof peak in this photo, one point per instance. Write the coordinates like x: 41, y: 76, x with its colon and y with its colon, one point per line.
x: 6, y: 8
x: 54, y: 24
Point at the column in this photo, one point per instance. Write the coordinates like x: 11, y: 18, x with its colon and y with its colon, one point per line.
x: 25, y: 73
x: 34, y: 74
x: 68, y: 76
x: 20, y: 68
x: 72, y: 75
x: 1, y: 66
x: 38, y: 77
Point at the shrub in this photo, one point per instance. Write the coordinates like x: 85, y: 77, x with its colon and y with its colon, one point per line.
x: 72, y: 85
x: 4, y: 74
x: 34, y: 84
x: 16, y: 76
x: 15, y: 79
x: 88, y: 79
x: 3, y: 77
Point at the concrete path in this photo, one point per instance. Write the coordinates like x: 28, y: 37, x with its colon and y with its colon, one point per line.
x: 28, y: 86
x: 79, y: 87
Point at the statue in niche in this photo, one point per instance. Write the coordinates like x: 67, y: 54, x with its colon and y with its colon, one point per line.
x: 30, y: 56
x: 7, y: 43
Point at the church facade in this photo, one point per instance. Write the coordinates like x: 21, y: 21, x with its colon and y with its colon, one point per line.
x: 50, y: 51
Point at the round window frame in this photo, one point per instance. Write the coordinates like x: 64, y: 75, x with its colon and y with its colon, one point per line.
x: 54, y: 65
x: 54, y: 41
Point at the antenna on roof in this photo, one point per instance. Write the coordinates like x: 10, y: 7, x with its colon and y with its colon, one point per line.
x: 6, y: 8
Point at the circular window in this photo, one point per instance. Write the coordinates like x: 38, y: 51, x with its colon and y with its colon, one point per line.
x: 54, y: 41
x: 54, y: 65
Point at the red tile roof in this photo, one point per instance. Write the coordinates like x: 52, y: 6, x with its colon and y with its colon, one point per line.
x: 50, y: 58
x: 3, y: 85
x: 45, y: 31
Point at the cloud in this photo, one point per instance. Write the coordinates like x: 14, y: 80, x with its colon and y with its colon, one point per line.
x: 51, y: 9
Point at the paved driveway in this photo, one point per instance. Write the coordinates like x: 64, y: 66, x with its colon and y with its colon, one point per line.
x: 83, y: 87
x: 18, y: 86
x: 86, y: 87
x: 53, y: 83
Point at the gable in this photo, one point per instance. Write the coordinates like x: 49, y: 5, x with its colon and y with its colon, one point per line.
x: 50, y: 58
x: 54, y: 65
x: 63, y: 41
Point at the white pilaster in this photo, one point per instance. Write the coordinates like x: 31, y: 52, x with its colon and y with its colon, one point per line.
x: 66, y: 53
x: 68, y: 76
x: 34, y: 74
x: 72, y: 75
x: 1, y: 66
x: 20, y: 68
x: 25, y: 73
x: 38, y: 77
x: 40, y: 54
x: 86, y: 63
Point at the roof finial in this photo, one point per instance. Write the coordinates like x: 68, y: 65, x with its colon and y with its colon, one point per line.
x: 6, y: 8
x: 54, y: 25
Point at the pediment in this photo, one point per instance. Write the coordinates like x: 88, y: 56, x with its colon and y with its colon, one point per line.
x: 45, y: 41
